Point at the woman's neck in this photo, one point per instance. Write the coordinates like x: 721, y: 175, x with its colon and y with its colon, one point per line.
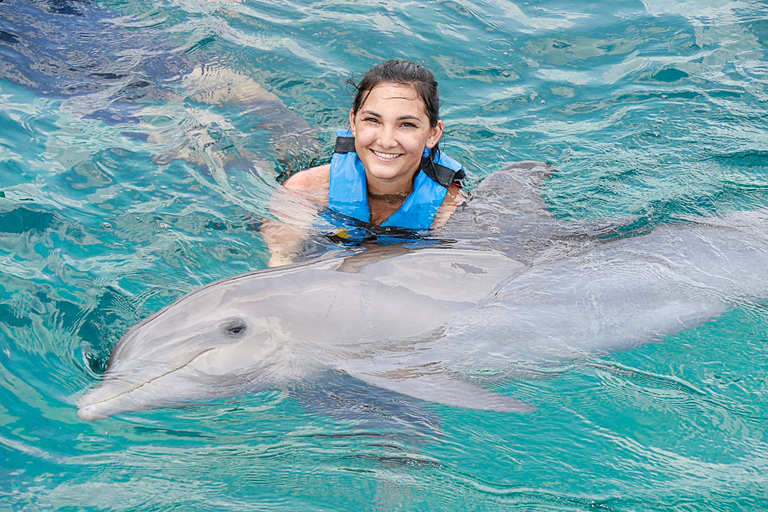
x: 397, y: 198
x: 382, y: 206
x: 385, y: 197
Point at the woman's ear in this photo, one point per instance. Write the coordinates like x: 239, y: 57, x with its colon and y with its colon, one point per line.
x: 352, y: 121
x: 434, y: 134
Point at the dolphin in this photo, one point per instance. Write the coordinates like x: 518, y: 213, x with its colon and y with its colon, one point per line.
x: 265, y: 329
x: 427, y: 320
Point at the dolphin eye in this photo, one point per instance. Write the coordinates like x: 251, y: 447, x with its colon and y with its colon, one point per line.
x: 236, y: 328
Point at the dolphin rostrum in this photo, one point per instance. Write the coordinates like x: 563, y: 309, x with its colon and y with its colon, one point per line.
x: 421, y: 322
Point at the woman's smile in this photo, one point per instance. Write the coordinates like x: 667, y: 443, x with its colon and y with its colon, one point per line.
x: 386, y: 156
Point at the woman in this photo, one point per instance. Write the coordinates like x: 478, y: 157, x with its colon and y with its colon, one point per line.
x: 386, y: 169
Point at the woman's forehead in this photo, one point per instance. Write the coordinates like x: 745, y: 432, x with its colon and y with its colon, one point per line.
x: 402, y: 95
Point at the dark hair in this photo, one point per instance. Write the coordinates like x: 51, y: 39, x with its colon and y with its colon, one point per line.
x: 402, y: 72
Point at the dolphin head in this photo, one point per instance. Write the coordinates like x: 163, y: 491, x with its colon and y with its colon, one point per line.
x: 207, y: 345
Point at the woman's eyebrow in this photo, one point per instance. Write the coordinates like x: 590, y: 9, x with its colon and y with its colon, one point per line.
x: 401, y: 118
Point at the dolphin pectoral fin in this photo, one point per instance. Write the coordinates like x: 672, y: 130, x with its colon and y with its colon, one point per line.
x: 443, y: 389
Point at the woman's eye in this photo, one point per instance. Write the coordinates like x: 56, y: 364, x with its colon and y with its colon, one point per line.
x: 371, y: 120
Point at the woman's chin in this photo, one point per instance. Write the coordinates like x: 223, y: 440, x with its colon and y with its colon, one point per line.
x: 390, y: 171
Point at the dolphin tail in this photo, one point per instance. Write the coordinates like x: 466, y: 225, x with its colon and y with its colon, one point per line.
x: 443, y: 389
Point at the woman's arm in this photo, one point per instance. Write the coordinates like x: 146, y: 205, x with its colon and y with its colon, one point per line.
x: 453, y: 199
x: 311, y: 184
x: 295, y: 207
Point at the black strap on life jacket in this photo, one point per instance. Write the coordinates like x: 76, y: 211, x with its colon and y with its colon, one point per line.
x: 344, y: 145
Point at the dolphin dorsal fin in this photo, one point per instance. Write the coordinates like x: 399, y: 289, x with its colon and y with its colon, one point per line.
x: 516, y: 187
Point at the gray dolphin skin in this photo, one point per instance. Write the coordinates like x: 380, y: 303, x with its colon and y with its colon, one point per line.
x: 424, y: 322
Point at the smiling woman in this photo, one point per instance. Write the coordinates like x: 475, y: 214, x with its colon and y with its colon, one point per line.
x: 387, y: 169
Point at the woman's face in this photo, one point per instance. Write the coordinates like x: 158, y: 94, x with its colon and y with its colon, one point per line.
x: 391, y: 130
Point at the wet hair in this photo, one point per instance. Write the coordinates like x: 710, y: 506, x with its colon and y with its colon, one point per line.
x: 403, y: 72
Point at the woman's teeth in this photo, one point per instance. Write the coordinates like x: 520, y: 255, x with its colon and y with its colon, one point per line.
x: 386, y: 156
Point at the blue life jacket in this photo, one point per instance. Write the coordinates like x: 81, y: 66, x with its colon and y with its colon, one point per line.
x: 348, y: 187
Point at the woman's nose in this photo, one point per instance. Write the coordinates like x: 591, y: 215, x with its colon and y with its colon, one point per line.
x: 387, y: 137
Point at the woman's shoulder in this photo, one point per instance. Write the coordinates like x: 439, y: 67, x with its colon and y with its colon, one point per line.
x: 311, y: 183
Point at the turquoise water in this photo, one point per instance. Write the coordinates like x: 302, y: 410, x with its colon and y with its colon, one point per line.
x: 122, y: 188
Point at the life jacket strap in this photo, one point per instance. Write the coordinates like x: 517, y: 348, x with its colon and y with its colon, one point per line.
x: 344, y: 145
x: 440, y: 173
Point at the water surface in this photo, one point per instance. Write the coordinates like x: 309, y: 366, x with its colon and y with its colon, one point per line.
x: 124, y: 183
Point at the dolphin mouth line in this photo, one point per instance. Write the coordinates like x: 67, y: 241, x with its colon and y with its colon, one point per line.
x: 141, y: 385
